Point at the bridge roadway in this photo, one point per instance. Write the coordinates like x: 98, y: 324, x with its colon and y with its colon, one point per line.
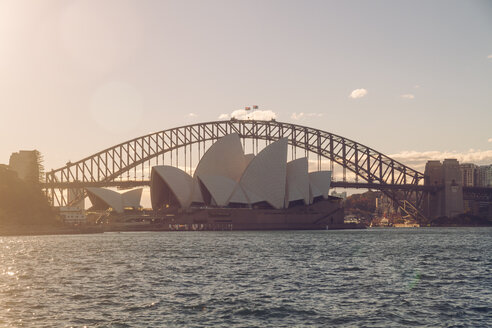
x: 469, y: 193
x: 334, y: 184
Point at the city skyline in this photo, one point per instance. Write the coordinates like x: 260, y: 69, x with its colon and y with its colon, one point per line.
x: 411, y: 80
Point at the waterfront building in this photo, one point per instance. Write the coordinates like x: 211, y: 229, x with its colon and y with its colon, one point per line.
x: 72, y: 215
x: 351, y: 219
x: 231, y: 190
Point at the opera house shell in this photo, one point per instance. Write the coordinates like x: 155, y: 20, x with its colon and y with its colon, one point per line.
x: 244, y: 191
x: 104, y: 199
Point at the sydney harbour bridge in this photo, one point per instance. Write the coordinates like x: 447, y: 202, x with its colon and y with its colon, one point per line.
x: 129, y: 164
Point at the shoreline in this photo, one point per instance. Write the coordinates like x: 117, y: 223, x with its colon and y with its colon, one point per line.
x: 46, y: 231
x: 96, y: 230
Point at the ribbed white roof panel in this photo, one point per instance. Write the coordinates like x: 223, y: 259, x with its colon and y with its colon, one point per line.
x: 265, y: 175
x: 247, y: 159
x: 313, y: 192
x: 320, y: 183
x: 220, y: 188
x: 180, y: 183
x: 225, y: 158
x: 197, y: 194
x: 112, y: 198
x: 297, y: 180
x: 132, y: 198
x: 251, y: 196
x: 238, y: 196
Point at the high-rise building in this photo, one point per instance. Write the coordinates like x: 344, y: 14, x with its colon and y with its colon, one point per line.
x: 469, y: 174
x: 26, y: 164
x: 449, y: 200
x: 484, y: 176
x: 433, y: 177
x: 453, y: 190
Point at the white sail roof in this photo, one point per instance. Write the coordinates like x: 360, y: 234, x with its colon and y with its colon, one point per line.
x: 196, y: 196
x: 113, y: 199
x: 219, y: 187
x: 247, y: 159
x: 225, y: 158
x: 179, y: 182
x: 132, y: 198
x: 297, y: 181
x: 109, y: 197
x: 238, y: 196
x: 251, y: 196
x: 265, y: 175
x: 319, y: 184
x: 313, y: 192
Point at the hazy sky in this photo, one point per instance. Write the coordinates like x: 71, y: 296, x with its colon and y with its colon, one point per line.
x: 411, y: 79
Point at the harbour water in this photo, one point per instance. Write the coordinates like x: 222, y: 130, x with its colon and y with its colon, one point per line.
x: 430, y: 277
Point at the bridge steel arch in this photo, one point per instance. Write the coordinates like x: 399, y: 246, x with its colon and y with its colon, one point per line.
x: 373, y: 167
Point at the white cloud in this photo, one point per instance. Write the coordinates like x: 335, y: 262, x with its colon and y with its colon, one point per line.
x: 301, y: 115
x: 296, y: 116
x: 417, y: 86
x: 408, y: 96
x: 242, y: 114
x: 358, y: 93
x: 191, y: 115
x: 489, y: 56
x: 490, y: 140
x: 417, y: 160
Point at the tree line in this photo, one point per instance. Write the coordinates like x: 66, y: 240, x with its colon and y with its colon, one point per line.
x: 22, y: 203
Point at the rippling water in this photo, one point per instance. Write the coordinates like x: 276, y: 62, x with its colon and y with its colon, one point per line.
x: 373, y: 278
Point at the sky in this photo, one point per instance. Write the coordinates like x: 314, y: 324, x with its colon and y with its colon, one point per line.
x: 411, y: 79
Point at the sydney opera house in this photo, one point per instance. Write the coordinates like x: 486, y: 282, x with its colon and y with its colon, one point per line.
x: 231, y: 190
x: 103, y: 199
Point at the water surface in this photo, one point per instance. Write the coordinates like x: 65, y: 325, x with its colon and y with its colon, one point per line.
x: 373, y: 278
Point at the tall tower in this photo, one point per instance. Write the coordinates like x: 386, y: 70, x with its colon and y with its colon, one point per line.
x: 26, y: 164
x: 448, y: 200
x: 453, y: 188
x: 484, y: 176
x: 469, y: 174
x: 433, y: 177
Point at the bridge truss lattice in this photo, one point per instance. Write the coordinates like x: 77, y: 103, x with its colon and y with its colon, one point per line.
x: 129, y: 163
